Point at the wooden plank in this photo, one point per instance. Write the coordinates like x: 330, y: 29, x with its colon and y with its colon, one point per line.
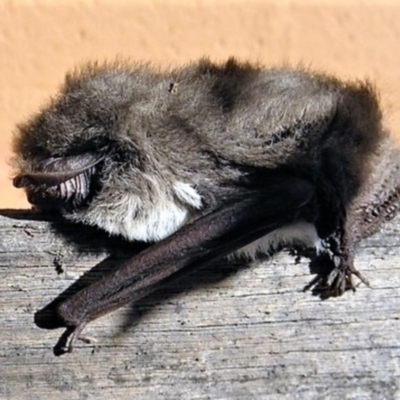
x: 226, y: 332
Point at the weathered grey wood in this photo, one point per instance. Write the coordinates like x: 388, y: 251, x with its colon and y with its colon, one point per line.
x: 222, y: 333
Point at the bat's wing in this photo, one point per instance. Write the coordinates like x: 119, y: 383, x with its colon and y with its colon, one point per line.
x: 241, y: 219
x: 379, y: 199
x: 377, y: 202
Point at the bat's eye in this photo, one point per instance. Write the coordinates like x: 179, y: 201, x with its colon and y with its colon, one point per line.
x: 61, y: 183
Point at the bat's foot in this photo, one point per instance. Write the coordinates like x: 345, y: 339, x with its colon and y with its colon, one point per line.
x: 336, y: 279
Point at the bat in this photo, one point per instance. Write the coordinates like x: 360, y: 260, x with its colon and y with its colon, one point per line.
x: 209, y: 160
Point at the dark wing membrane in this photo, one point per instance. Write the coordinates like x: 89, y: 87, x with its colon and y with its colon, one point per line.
x: 242, y: 219
x: 379, y: 197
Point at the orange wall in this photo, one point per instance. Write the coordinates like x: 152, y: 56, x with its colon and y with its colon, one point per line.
x: 41, y: 39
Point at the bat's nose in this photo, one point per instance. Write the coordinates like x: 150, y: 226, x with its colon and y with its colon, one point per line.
x: 20, y: 181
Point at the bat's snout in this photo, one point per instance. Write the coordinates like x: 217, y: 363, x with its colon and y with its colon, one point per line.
x: 60, y: 183
x: 21, y: 181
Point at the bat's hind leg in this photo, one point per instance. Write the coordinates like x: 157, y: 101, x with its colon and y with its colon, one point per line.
x: 334, y: 267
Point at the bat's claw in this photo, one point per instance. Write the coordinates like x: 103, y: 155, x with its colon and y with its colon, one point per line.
x: 67, y: 341
x: 75, y: 335
x: 337, y: 280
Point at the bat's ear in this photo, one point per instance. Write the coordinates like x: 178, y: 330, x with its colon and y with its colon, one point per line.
x: 56, y: 170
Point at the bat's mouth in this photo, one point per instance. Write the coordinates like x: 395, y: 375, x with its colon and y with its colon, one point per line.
x: 64, y: 183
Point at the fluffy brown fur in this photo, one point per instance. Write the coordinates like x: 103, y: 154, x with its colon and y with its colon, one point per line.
x: 205, y: 124
x: 147, y: 154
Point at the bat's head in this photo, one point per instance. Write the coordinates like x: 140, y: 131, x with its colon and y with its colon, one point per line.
x: 62, y: 152
x: 87, y: 153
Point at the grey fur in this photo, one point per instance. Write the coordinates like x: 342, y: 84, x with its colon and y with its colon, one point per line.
x: 177, y: 145
x: 219, y: 117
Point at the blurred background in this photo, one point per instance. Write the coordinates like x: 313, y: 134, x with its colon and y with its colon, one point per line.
x: 41, y: 39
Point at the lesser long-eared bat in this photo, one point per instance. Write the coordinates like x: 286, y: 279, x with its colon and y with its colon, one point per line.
x: 209, y: 160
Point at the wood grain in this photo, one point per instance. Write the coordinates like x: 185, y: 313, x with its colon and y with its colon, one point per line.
x: 225, y: 332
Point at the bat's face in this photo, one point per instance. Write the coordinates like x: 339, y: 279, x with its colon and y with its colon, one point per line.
x: 65, y: 183
x: 62, y: 152
x: 86, y: 155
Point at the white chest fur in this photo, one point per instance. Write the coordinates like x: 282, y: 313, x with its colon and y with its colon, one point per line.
x: 127, y: 215
x: 302, y: 233
x: 166, y: 212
